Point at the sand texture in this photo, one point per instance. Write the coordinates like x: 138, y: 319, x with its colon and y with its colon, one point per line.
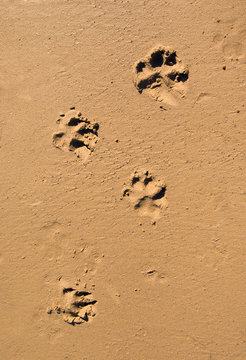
x: 122, y: 149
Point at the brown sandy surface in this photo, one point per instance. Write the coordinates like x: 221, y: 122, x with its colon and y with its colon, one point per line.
x: 150, y: 219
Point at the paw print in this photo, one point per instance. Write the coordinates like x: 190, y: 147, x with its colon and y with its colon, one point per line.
x: 77, y: 306
x: 76, y: 134
x: 147, y: 194
x: 162, y: 75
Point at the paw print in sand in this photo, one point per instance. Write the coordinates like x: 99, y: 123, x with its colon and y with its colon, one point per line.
x: 76, y: 134
x: 162, y: 75
x: 76, y: 306
x: 147, y: 194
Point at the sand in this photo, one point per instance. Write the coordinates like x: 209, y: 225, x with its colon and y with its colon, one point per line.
x: 122, y: 144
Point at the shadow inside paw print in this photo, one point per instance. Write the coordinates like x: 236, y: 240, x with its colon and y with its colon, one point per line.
x: 162, y: 75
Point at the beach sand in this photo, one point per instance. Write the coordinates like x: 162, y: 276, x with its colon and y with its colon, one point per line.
x: 122, y: 145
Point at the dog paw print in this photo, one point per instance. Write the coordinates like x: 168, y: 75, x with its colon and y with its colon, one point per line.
x: 161, y: 75
x: 147, y: 194
x: 77, y: 306
x: 76, y: 134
